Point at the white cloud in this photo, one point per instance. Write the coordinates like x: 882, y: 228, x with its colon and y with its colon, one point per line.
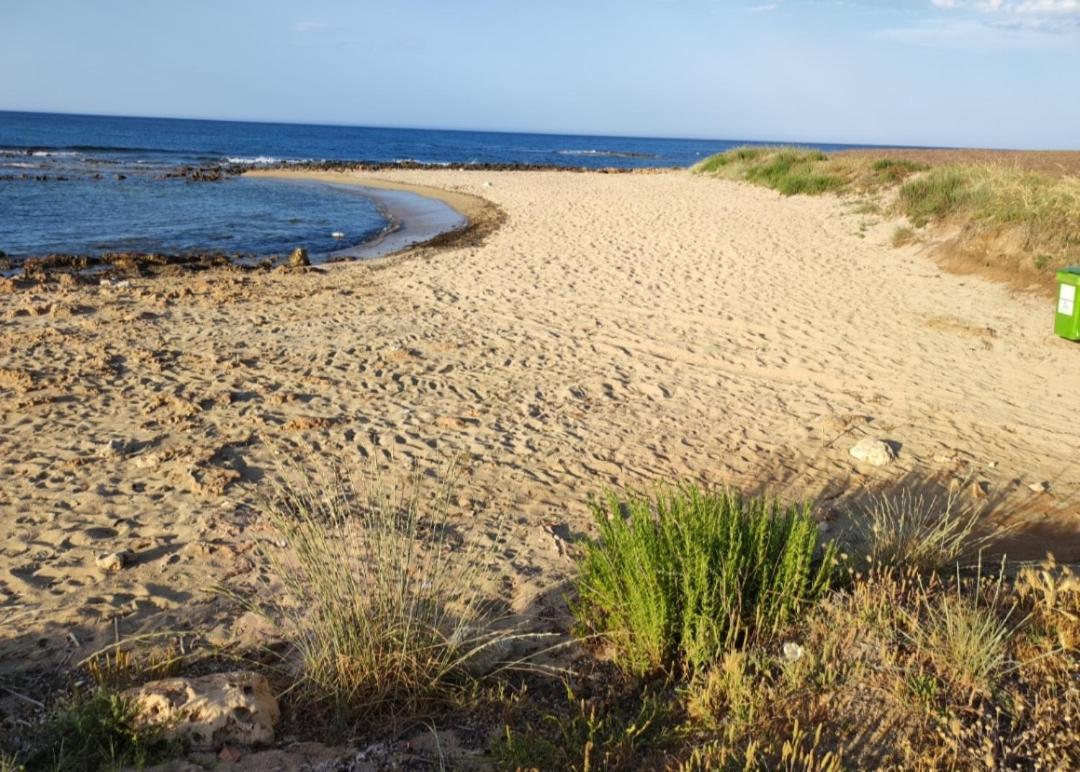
x: 1019, y: 15
x: 763, y: 8
x: 1033, y: 7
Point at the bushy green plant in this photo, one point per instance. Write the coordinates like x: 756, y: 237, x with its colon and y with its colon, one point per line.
x: 890, y: 171
x: 794, y: 171
x: 679, y: 578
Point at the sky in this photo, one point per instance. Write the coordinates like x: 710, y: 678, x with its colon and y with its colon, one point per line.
x: 986, y: 73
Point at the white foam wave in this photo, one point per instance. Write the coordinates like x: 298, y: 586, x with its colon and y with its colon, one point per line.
x: 259, y: 159
x: 266, y: 160
x: 423, y: 163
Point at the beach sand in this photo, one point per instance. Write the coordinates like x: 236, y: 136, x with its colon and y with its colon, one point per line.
x: 592, y: 331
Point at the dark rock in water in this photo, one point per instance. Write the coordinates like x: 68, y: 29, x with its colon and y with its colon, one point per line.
x: 204, y: 173
x: 121, y: 176
x: 3, y: 253
x: 298, y: 258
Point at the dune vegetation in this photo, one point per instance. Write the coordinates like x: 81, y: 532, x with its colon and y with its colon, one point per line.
x: 706, y: 629
x: 996, y: 213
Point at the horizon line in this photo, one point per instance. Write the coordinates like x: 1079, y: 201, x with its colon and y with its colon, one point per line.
x: 519, y: 132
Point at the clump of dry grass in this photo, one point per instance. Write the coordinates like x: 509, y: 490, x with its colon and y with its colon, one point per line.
x: 904, y: 235
x: 905, y: 529
x: 897, y: 671
x: 384, y: 603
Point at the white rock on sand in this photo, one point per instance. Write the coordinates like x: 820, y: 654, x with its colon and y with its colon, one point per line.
x: 873, y: 452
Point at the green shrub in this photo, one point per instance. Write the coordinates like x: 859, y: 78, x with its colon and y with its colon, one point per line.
x: 793, y: 171
x: 678, y: 579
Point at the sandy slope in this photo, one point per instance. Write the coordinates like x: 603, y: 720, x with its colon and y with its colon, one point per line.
x: 616, y: 329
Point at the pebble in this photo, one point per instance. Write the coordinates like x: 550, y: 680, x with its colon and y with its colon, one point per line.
x: 111, y: 562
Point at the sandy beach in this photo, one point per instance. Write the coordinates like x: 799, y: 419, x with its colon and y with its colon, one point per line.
x: 590, y: 331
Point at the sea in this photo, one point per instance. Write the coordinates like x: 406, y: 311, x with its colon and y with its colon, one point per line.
x: 88, y: 185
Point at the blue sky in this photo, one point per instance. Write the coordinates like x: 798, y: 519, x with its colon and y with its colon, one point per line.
x: 998, y: 73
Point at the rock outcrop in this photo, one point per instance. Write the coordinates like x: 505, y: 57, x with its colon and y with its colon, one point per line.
x: 209, y: 711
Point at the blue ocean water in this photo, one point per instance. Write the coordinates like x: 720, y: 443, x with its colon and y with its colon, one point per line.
x: 111, y: 194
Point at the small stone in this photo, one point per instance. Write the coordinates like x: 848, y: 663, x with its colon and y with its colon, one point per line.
x: 793, y: 652
x: 1039, y: 487
x: 147, y: 461
x: 212, y: 711
x: 873, y: 452
x: 113, y: 448
x: 979, y: 489
x: 112, y: 562
x: 298, y: 258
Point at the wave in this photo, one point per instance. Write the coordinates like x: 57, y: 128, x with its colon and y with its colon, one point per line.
x: 70, y: 150
x: 605, y: 153
x: 266, y: 160
x: 426, y: 163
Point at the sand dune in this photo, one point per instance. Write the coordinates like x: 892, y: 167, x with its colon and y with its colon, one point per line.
x: 613, y: 330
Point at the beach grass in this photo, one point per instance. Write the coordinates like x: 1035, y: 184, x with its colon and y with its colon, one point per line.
x: 385, y: 606
x: 1019, y: 219
x: 906, y: 529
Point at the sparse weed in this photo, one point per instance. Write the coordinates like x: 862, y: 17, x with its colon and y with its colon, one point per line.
x: 604, y: 734
x: 965, y: 636
x: 903, y: 235
x: 96, y: 731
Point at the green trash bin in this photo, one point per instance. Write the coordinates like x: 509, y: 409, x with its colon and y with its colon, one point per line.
x: 1067, y: 320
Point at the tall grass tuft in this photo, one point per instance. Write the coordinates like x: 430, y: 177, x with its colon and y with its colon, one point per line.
x: 966, y: 635
x: 678, y: 579
x: 910, y: 530
x: 384, y: 606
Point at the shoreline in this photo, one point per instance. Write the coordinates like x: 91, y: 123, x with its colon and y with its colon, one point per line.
x: 479, y: 217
